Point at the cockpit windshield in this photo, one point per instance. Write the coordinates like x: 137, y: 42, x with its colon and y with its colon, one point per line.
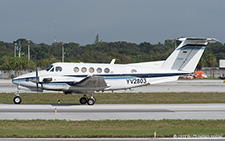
x: 49, y: 67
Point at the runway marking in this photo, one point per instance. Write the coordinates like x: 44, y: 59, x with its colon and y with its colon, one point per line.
x: 199, y: 110
x: 95, y: 111
x: 107, y: 111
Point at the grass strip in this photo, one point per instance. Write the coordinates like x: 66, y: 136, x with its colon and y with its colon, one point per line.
x: 109, y: 128
x: 117, y: 98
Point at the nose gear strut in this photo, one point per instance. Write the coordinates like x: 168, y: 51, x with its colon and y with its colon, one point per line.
x: 17, y: 99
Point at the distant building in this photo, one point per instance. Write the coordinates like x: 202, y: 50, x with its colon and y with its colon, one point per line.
x: 222, y: 64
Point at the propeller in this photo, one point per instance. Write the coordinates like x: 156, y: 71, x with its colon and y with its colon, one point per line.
x: 38, y: 79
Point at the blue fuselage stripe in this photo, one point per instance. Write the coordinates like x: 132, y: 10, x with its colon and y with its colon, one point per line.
x: 125, y: 76
x: 117, y: 76
x: 107, y: 77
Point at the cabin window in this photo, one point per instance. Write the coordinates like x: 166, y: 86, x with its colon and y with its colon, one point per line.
x: 91, y: 69
x: 133, y: 71
x: 49, y: 67
x: 107, y: 70
x: 76, y: 69
x: 84, y: 69
x: 58, y: 69
x: 99, y: 70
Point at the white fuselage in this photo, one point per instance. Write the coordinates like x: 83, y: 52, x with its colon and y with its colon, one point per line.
x: 116, y: 76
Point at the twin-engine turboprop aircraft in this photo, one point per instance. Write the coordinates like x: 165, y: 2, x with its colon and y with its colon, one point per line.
x: 87, y: 78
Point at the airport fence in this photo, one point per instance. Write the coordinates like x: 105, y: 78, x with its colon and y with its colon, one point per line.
x: 9, y: 74
x: 214, y: 73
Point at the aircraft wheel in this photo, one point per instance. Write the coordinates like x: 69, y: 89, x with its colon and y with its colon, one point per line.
x: 83, y: 100
x: 17, y: 100
x: 91, y: 101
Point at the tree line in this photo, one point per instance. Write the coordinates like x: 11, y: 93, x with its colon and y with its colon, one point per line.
x: 98, y: 52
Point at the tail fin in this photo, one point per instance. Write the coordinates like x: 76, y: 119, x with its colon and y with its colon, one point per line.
x: 187, y: 55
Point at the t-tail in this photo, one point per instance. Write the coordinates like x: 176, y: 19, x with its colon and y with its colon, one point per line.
x: 187, y: 55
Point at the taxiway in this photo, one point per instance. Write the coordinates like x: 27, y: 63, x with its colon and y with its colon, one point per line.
x: 6, y: 86
x: 113, y: 111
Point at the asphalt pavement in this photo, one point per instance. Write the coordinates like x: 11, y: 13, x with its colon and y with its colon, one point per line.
x: 112, y: 111
x: 6, y: 86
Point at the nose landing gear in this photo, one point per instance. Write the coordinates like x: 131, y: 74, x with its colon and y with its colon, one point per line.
x: 17, y: 99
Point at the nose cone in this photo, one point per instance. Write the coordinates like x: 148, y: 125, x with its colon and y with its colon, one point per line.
x: 22, y: 78
x: 17, y: 80
x: 14, y: 80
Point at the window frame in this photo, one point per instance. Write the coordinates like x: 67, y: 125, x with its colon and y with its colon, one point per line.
x: 83, y: 68
x: 107, y: 69
x: 77, y: 69
x: 99, y: 69
x: 91, y: 70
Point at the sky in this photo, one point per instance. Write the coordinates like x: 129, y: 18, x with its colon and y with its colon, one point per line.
x: 133, y: 21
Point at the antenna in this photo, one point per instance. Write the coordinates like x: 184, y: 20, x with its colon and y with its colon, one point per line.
x: 54, y: 36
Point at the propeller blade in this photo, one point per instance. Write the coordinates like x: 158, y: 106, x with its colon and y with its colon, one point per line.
x: 37, y: 78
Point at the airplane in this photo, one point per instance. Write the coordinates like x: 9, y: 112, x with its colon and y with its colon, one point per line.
x: 88, y: 78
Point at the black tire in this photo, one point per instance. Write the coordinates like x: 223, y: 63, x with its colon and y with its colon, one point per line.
x: 91, y: 101
x: 83, y: 100
x: 17, y: 100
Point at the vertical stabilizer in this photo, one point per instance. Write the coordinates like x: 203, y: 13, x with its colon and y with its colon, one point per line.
x: 187, y: 55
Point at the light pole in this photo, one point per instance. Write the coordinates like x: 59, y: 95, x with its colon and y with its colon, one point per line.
x: 62, y: 52
x: 28, y: 54
x: 15, y: 49
x: 28, y: 51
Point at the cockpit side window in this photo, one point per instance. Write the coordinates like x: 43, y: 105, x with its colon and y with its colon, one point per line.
x: 49, y: 67
x: 58, y: 69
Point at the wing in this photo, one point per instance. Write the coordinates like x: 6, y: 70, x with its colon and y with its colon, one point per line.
x: 92, y: 81
x: 89, y: 84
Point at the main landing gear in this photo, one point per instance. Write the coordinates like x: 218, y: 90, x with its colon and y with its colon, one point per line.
x: 17, y: 99
x: 89, y: 101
